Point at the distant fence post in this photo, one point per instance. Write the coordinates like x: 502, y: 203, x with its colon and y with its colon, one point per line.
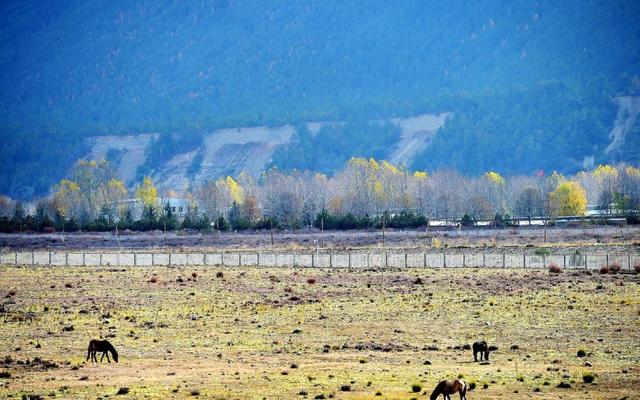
x: 444, y: 259
x: 349, y: 256
x: 483, y: 260
x: 463, y: 259
x: 504, y: 260
x: 586, y: 262
x: 607, y: 259
x: 629, y: 260
x: 564, y: 261
x: 524, y: 260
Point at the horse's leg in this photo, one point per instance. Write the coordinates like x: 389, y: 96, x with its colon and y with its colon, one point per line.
x: 107, y: 353
x: 102, y: 358
x: 94, y: 356
x: 88, y: 354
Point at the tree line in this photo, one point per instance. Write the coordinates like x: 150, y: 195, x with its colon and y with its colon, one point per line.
x: 364, y: 194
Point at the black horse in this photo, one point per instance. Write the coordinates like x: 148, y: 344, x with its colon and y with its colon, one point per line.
x: 101, y: 346
x: 481, y: 347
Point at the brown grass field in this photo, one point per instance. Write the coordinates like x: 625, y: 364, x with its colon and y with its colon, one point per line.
x: 254, y: 333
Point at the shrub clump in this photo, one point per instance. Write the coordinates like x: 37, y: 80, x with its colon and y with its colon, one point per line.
x: 345, y: 388
x: 123, y: 390
x: 416, y: 388
x: 588, y: 377
x: 581, y: 353
x: 605, y: 270
x: 615, y: 267
x: 554, y: 268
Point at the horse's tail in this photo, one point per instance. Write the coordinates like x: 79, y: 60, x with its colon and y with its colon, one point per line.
x: 436, y: 392
x: 463, y: 391
x: 89, y: 350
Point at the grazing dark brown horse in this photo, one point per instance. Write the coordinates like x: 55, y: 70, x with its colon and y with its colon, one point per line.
x: 447, y: 388
x: 101, y: 346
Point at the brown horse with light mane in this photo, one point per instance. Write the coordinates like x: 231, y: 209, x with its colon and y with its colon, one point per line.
x: 447, y: 388
x: 101, y: 346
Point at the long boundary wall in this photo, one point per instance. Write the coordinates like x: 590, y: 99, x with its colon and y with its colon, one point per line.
x: 373, y: 259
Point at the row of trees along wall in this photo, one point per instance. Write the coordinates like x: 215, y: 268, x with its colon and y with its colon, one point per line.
x: 365, y: 193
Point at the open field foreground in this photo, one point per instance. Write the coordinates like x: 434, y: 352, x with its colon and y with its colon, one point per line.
x: 282, y: 333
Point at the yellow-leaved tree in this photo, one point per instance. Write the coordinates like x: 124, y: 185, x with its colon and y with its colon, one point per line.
x: 569, y: 198
x: 68, y: 199
x: 147, y: 192
x: 495, y: 178
x: 235, y: 191
x: 420, y: 175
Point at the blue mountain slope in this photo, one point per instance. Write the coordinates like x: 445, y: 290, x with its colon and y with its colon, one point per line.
x: 71, y: 69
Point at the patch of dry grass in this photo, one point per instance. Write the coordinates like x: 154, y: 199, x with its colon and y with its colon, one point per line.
x: 192, y: 332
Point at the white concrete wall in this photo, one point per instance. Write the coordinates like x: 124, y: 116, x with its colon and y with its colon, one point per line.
x: 230, y: 259
x: 195, y: 259
x: 160, y: 259
x: 109, y: 259
x: 75, y: 259
x: 178, y: 259
x: 213, y: 259
x: 322, y: 260
x: 144, y: 259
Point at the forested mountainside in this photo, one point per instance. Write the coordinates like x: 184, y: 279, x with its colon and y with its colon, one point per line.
x: 526, y: 86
